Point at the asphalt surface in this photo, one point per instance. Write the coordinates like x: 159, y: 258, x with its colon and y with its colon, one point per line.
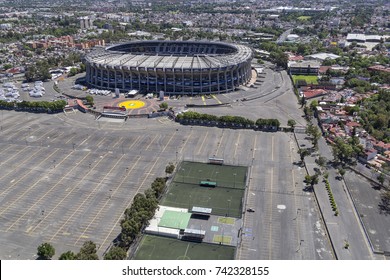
x: 368, y: 200
x: 67, y: 178
x: 346, y: 227
x: 286, y: 224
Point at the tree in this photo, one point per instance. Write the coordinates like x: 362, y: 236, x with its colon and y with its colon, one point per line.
x: 46, y: 251
x: 315, y: 132
x: 87, y: 251
x: 303, y: 153
x: 280, y: 58
x: 115, y: 253
x: 311, y: 180
x: 346, y: 152
x: 69, y: 255
x: 164, y: 105
x: 381, y: 179
x: 342, y: 172
x: 72, y: 72
x: 89, y: 99
x: 169, y: 168
x: 130, y: 229
x: 321, y: 161
x: 291, y: 123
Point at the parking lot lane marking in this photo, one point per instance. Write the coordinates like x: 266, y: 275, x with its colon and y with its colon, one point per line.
x: 147, y: 148
x: 89, y: 195
x: 136, y: 140
x: 220, y: 142
x: 10, y: 158
x: 185, y: 143
x: 270, y: 211
x: 88, y: 136
x: 44, y: 135
x: 71, y: 138
x: 68, y: 192
x: 117, y: 142
x: 127, y: 204
x: 168, y: 142
x: 201, y: 145
x: 216, y: 99
x: 4, y: 150
x: 124, y: 179
x: 100, y: 142
x: 204, y: 102
x: 21, y: 178
x: 29, y: 188
x: 236, y: 145
x: 254, y: 147
x: 13, y: 125
x: 56, y: 137
x: 15, y: 135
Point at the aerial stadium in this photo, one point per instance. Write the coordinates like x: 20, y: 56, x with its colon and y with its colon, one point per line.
x: 172, y: 67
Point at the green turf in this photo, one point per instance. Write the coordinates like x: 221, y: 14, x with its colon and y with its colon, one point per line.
x: 226, y: 220
x: 308, y: 79
x: 304, y: 18
x: 162, y: 248
x: 222, y: 201
x: 174, y: 219
x: 227, y: 176
x: 225, y: 199
x: 226, y: 240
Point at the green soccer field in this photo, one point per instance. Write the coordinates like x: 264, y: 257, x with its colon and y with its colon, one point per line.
x: 224, y: 175
x: 308, y: 79
x: 223, y: 201
x: 162, y: 248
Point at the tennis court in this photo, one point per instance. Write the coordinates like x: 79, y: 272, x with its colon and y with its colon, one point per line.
x: 174, y: 219
x: 162, y: 248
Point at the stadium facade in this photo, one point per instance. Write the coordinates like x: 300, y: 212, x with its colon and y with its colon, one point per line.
x: 174, y: 67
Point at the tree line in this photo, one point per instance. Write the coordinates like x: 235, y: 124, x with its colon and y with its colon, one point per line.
x: 227, y: 121
x: 34, y: 106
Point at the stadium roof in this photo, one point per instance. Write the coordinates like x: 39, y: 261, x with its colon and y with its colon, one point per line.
x: 123, y: 59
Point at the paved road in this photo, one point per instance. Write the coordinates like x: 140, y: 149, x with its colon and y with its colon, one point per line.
x: 283, y: 36
x: 286, y: 224
x: 345, y: 228
x: 368, y: 200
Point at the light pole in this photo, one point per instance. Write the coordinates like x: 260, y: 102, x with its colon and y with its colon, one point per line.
x: 299, y: 247
x: 234, y: 174
x: 299, y: 209
x: 228, y: 214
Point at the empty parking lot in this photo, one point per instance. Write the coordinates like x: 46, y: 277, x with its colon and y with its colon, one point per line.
x: 66, y: 179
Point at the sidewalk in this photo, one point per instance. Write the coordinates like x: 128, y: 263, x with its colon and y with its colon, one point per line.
x: 346, y: 227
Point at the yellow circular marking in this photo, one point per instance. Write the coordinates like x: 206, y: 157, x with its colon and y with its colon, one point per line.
x: 132, y: 104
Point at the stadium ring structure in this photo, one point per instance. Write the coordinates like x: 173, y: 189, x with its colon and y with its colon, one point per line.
x: 174, y: 67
